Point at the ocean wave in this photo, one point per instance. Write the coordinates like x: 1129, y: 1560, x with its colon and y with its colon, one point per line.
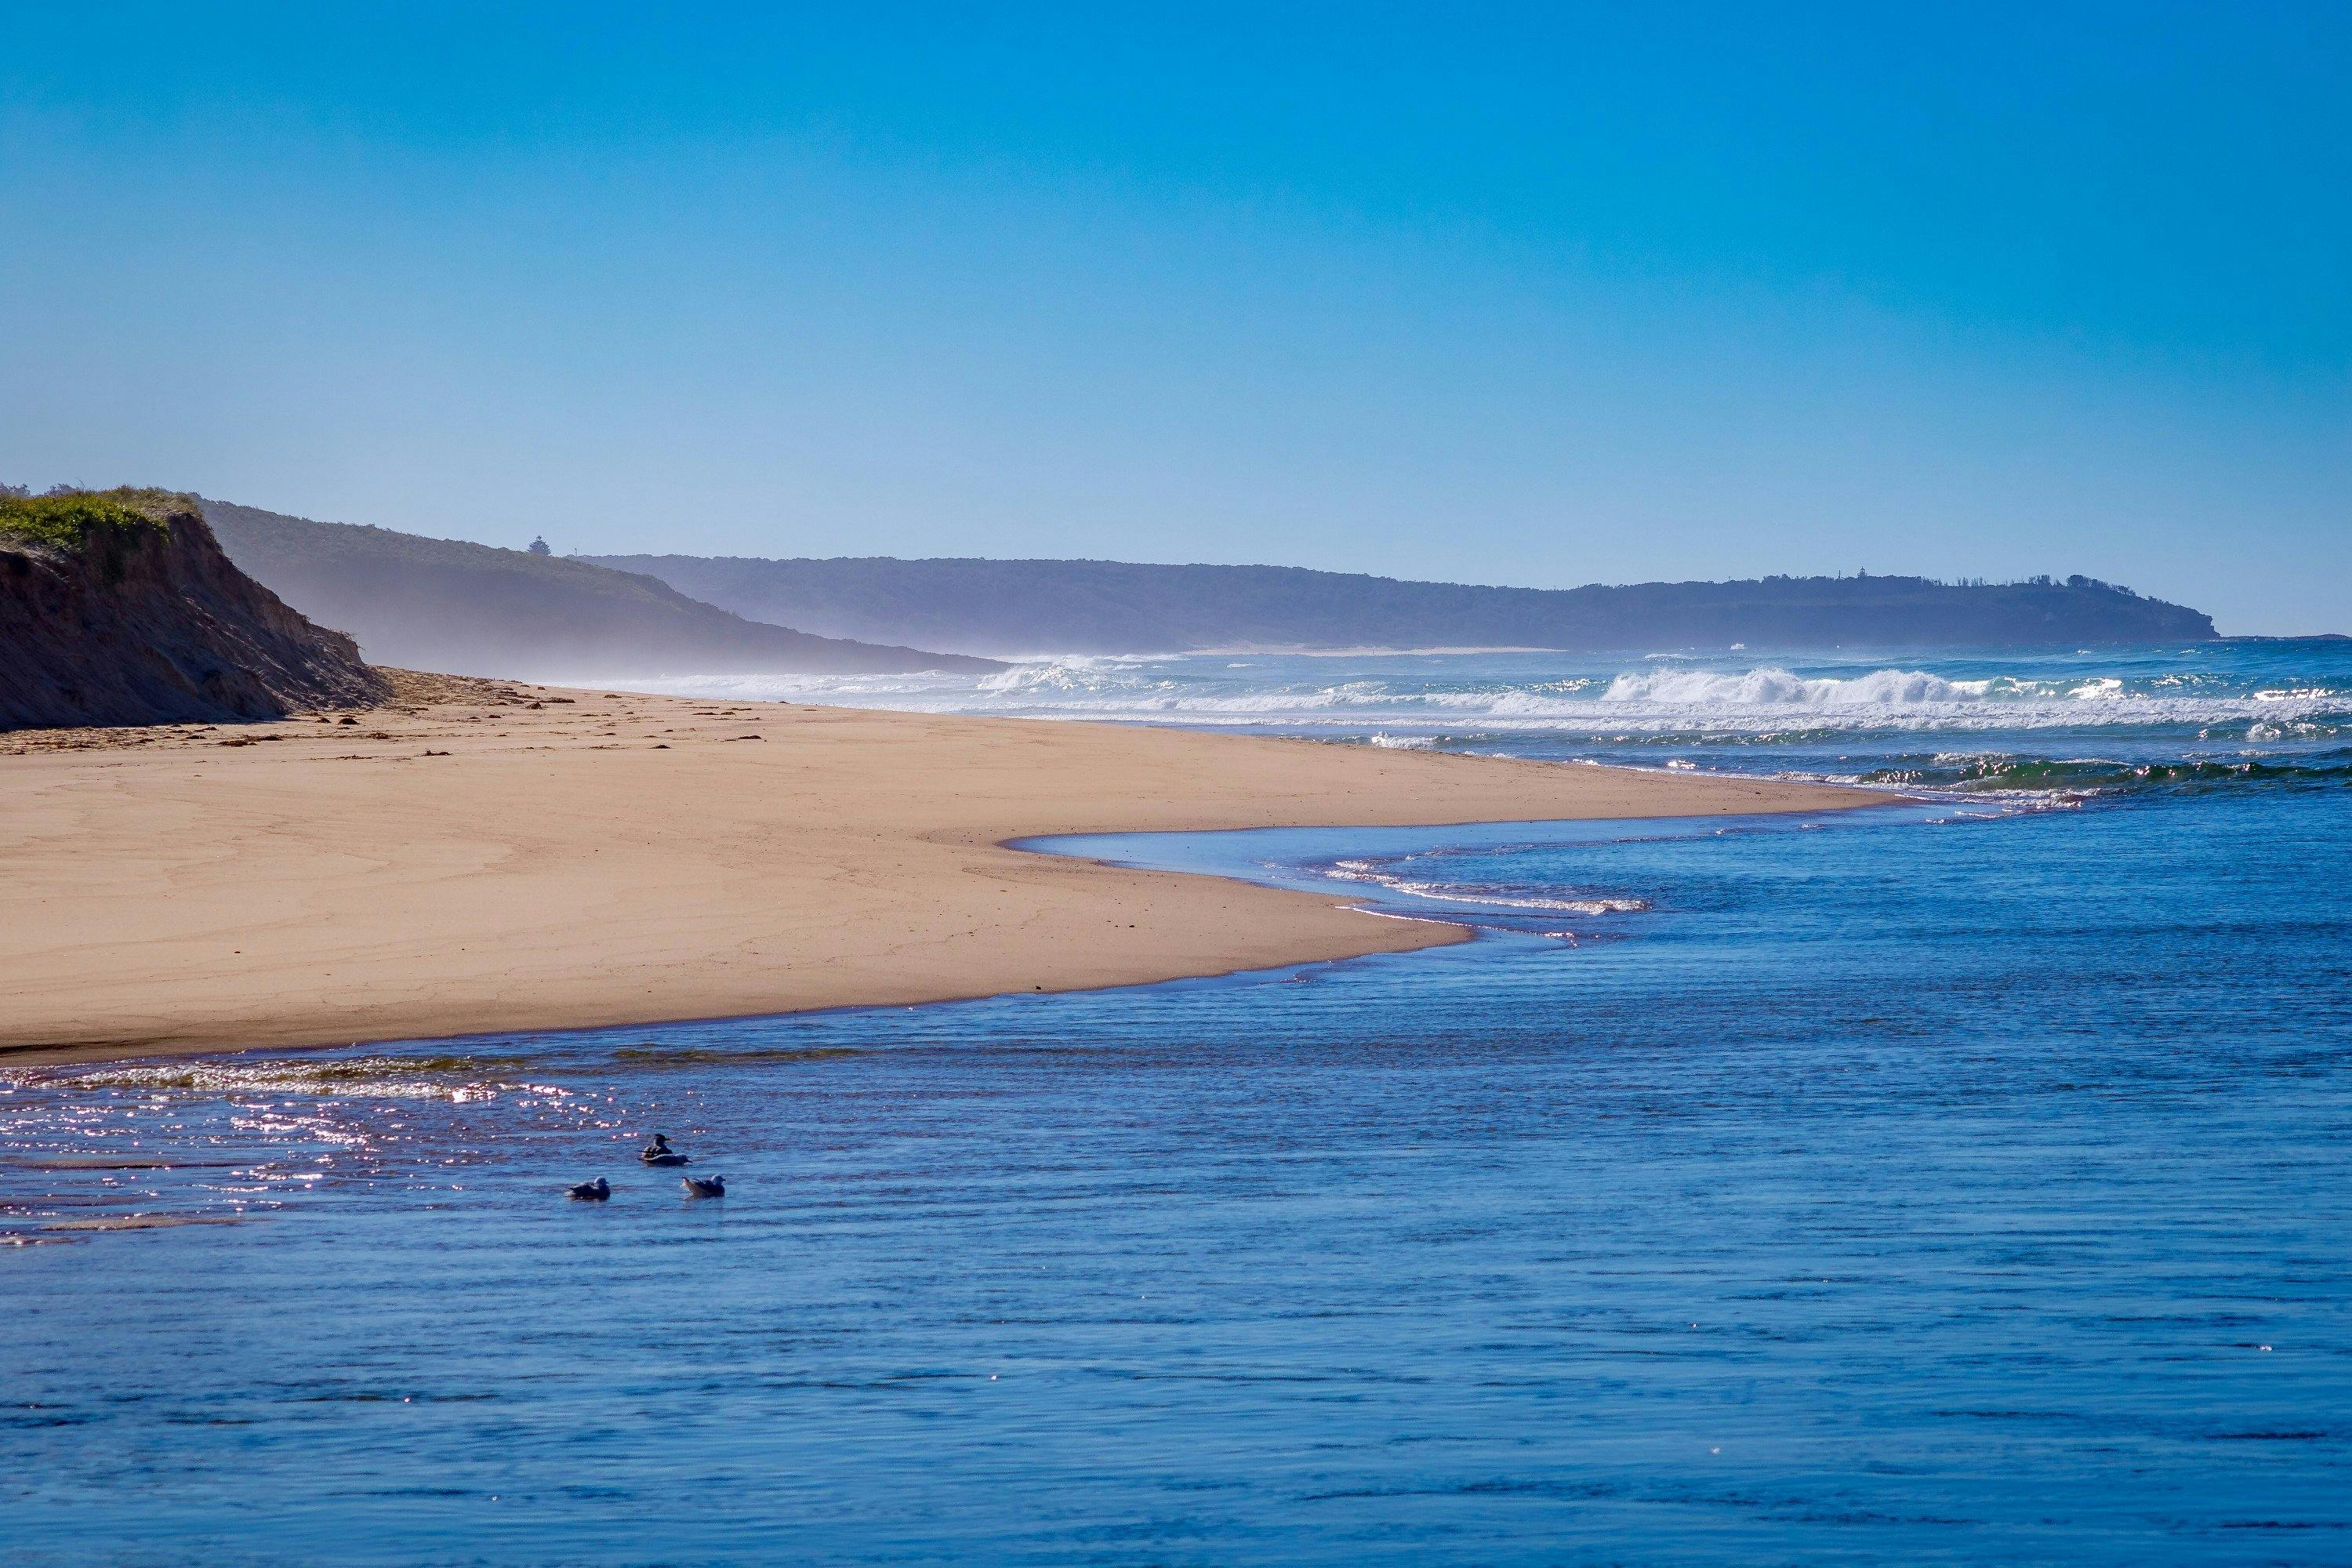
x: 1664, y: 703
x: 1773, y: 687
x: 1991, y: 773
x: 1483, y: 896
x: 1072, y: 674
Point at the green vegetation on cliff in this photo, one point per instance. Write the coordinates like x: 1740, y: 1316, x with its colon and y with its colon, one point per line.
x: 69, y: 520
x: 119, y: 607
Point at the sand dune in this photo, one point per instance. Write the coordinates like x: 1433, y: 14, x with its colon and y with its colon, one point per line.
x: 482, y: 857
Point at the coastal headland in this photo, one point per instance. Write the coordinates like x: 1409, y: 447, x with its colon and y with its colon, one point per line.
x: 480, y: 856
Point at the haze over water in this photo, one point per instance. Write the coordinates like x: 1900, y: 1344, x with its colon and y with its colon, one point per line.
x: 1955, y: 1180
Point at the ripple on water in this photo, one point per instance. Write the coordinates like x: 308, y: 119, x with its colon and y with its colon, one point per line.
x: 1886, y: 1189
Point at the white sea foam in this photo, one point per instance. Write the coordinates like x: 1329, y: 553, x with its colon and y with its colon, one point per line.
x: 1778, y: 688
x: 1664, y: 700
x: 1369, y: 872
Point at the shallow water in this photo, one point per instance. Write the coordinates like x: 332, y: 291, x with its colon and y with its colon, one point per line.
x: 1958, y: 1182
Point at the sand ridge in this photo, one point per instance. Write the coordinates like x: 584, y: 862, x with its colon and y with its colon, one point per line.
x: 484, y: 857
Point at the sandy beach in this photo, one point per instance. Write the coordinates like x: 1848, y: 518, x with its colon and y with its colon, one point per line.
x: 483, y: 857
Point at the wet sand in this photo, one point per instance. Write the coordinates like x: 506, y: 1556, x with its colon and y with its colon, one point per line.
x: 486, y: 857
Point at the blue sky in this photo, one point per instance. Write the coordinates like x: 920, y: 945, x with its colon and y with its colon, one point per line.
x: 1543, y: 294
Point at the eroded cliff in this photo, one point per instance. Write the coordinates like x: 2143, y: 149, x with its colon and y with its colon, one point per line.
x: 119, y: 607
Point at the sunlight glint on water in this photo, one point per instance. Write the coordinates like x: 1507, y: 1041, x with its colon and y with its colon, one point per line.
x: 1957, y: 1181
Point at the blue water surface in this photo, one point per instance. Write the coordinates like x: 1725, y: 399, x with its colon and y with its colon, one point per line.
x: 1958, y: 1182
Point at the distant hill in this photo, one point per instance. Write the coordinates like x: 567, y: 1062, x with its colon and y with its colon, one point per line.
x: 472, y: 609
x: 120, y: 608
x: 1109, y: 607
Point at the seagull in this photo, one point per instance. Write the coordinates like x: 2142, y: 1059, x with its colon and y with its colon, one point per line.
x: 595, y: 1191
x: 704, y: 1186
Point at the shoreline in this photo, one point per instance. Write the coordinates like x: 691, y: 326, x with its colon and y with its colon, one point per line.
x: 483, y: 857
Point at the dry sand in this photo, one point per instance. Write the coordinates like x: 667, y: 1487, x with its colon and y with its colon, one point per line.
x: 467, y: 861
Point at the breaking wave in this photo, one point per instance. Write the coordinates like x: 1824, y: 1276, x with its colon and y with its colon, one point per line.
x: 1480, y: 895
x: 2090, y: 776
x: 1661, y: 701
x: 1778, y: 688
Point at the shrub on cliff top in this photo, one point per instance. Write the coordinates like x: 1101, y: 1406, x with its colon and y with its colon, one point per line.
x: 69, y: 521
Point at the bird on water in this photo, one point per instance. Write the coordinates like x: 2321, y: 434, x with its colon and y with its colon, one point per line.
x: 595, y: 1191
x: 659, y: 1152
x: 704, y: 1186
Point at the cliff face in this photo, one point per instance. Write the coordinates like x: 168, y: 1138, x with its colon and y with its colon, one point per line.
x: 121, y: 609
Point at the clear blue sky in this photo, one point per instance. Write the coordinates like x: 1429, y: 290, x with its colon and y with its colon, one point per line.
x: 1543, y: 294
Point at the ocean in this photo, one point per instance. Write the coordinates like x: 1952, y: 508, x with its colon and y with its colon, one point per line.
x: 1961, y: 1180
